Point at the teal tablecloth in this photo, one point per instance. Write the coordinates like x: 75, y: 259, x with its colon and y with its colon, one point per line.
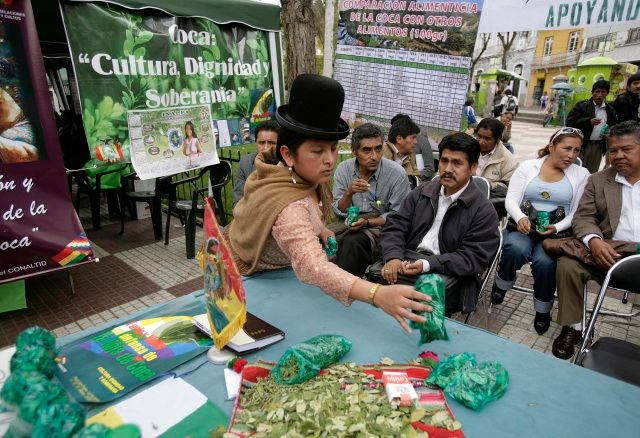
x: 546, y: 396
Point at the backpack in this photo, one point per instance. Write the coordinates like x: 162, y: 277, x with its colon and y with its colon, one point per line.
x: 511, y: 104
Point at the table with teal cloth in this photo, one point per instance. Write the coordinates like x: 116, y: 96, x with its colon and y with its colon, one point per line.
x: 546, y: 396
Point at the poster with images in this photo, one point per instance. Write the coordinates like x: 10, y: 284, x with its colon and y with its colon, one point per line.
x: 39, y: 229
x: 130, y: 60
x: 410, y: 57
x: 168, y: 141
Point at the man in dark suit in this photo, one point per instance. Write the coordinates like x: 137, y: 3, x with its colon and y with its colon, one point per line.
x: 592, y: 117
x: 608, y: 209
x: 266, y: 138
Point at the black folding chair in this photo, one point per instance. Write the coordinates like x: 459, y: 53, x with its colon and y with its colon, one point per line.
x: 616, y: 358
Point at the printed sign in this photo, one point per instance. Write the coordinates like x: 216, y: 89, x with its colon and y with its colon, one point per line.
x: 412, y: 57
x: 39, y: 229
x: 130, y: 60
x: 168, y: 141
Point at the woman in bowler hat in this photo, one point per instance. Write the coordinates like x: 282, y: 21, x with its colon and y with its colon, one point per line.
x: 280, y: 219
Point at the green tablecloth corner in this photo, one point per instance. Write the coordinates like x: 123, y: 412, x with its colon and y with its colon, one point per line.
x: 12, y: 296
x: 201, y: 424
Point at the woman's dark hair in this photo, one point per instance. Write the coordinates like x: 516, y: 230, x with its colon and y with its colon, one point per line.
x: 193, y: 130
x: 459, y: 141
x: 291, y: 140
x: 494, y: 125
x: 546, y: 150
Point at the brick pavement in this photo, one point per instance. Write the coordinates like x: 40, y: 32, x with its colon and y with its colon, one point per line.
x: 135, y: 272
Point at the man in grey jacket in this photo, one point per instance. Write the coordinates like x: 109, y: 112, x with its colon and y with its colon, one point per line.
x: 446, y: 226
x: 266, y: 138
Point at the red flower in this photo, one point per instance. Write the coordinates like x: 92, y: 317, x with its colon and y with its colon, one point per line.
x: 238, y: 365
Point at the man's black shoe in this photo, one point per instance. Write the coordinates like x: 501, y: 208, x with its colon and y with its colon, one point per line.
x: 541, y: 322
x: 564, y: 346
x: 497, y: 295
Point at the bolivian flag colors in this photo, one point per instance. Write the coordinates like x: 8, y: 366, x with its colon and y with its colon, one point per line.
x: 76, y: 251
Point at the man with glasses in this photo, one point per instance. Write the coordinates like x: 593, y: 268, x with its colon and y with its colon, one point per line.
x: 266, y: 138
x: 496, y: 163
x: 376, y: 186
x: 593, y: 117
x: 608, y: 210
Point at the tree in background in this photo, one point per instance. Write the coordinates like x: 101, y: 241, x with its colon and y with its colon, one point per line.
x: 299, y: 38
x: 484, y: 38
x: 506, y: 39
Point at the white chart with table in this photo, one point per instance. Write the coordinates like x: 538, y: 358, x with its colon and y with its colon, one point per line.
x: 379, y: 83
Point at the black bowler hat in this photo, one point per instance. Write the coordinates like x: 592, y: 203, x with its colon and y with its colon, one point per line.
x: 315, y: 104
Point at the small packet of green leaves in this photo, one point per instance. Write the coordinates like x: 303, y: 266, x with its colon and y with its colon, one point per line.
x: 433, y: 328
x: 445, y: 370
x: 476, y: 386
x: 305, y: 360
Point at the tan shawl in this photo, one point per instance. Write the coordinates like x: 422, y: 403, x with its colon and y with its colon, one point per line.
x: 268, y: 190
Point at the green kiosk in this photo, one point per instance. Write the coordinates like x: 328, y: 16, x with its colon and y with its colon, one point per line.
x: 494, y: 79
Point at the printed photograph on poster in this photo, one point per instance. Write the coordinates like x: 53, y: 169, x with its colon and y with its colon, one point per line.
x: 223, y: 133
x: 20, y: 139
x: 172, y: 140
x: 234, y: 131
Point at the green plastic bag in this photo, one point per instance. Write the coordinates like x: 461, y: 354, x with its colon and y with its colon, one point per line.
x: 446, y: 370
x: 17, y: 385
x: 36, y: 336
x: 433, y: 328
x: 304, y: 361
x: 97, y: 430
x: 59, y: 420
x: 33, y: 358
x: 474, y: 387
x: 40, y: 395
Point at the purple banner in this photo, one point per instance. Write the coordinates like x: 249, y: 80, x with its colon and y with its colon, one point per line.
x: 39, y: 229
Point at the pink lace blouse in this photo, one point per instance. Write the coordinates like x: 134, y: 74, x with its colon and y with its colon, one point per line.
x: 294, y: 240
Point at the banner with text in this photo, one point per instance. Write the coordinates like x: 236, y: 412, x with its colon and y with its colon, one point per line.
x: 410, y: 57
x: 128, y: 60
x: 526, y: 15
x: 40, y: 230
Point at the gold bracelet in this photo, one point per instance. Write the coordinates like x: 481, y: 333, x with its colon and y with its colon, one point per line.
x: 372, y: 294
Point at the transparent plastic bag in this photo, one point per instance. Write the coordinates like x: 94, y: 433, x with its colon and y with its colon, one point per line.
x: 446, y: 370
x: 476, y: 386
x: 303, y: 361
x: 433, y: 328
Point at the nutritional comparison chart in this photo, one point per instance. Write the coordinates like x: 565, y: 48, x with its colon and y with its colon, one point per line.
x: 429, y: 87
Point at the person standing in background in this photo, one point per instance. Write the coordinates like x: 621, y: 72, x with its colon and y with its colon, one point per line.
x: 627, y: 104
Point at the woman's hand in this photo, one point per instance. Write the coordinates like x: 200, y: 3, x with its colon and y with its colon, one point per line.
x: 412, y: 268
x: 390, y: 270
x: 324, y: 236
x: 398, y: 301
x: 551, y: 229
x: 524, y: 225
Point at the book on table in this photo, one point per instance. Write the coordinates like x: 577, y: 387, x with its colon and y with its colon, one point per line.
x: 255, y: 334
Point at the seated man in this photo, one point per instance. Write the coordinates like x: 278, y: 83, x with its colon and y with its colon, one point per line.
x: 496, y: 163
x: 507, y: 119
x: 446, y: 226
x: 608, y: 209
x: 376, y: 186
x: 401, y: 145
x: 423, y: 147
x: 266, y: 138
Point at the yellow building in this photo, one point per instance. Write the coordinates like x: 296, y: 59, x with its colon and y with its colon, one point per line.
x: 556, y: 52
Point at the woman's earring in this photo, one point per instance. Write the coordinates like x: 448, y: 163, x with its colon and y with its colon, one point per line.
x: 291, y: 175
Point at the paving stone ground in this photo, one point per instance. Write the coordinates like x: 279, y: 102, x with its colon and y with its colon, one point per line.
x: 135, y: 272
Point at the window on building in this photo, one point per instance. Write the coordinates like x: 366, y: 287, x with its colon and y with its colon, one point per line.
x: 573, y: 41
x: 548, y: 45
x: 634, y: 35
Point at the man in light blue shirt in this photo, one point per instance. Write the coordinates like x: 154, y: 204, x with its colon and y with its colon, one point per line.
x: 374, y: 184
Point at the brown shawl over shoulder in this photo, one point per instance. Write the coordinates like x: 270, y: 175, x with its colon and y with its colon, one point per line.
x: 268, y: 190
